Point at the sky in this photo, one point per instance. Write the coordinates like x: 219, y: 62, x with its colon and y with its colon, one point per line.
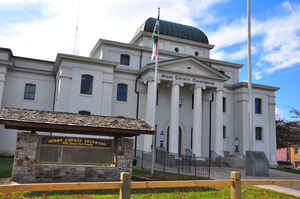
x: 42, y: 28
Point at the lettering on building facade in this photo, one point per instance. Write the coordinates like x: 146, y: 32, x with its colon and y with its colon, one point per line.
x: 185, y: 79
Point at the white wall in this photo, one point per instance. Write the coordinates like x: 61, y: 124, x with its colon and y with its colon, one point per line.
x: 171, y: 45
x: 14, y: 97
x: 121, y: 108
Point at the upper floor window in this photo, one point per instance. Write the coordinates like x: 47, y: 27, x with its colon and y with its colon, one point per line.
x: 176, y: 49
x: 124, y: 59
x: 258, y: 133
x: 224, y: 104
x: 258, y: 108
x: 84, y: 112
x: 296, y: 150
x: 224, y: 132
x: 122, y: 92
x: 86, y: 84
x: 29, y: 93
x: 196, y: 53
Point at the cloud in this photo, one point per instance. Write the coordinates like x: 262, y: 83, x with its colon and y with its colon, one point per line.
x: 278, y: 114
x: 257, y: 75
x: 277, y: 38
x: 114, y: 20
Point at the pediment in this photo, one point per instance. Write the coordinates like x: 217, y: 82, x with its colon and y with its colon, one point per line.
x: 191, y: 66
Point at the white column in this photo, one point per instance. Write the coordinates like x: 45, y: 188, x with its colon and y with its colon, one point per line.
x: 149, y: 115
x: 174, y: 118
x: 219, y: 122
x: 197, y: 121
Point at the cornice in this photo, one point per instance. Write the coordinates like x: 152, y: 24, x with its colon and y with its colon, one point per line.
x: 175, y: 39
x: 255, y: 86
x: 81, y: 59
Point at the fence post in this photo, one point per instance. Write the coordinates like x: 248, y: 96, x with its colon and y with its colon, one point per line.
x: 125, y: 188
x: 236, y: 192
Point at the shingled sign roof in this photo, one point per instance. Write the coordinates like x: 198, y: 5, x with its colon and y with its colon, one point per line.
x: 48, y: 121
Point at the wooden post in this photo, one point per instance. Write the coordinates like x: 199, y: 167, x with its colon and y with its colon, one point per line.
x: 125, y: 188
x: 236, y: 192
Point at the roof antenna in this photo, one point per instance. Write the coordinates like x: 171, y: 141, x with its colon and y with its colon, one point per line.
x: 76, y: 36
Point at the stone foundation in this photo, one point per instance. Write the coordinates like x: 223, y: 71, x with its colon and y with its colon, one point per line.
x: 28, y: 168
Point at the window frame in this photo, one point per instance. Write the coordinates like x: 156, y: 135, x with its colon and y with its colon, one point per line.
x: 259, y: 110
x: 126, y: 94
x: 261, y: 134
x: 89, y: 91
x: 122, y: 60
x: 25, y: 93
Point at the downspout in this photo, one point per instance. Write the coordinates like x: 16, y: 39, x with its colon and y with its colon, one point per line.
x: 54, y: 96
x: 137, y: 98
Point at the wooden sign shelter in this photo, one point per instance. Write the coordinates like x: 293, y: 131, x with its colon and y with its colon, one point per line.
x: 40, y: 158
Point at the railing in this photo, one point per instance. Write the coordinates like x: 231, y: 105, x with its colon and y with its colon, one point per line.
x: 125, y: 185
x: 187, y: 164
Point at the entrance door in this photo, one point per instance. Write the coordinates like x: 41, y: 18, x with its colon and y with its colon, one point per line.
x: 168, y: 135
x: 179, y: 141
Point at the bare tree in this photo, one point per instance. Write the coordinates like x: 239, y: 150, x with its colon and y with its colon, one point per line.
x: 288, y: 132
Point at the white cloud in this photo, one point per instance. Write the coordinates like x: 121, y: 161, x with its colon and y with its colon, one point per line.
x: 280, y: 39
x: 257, y: 75
x: 114, y: 20
x: 279, y: 114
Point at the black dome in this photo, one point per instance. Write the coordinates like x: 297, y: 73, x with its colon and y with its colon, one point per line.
x: 176, y: 30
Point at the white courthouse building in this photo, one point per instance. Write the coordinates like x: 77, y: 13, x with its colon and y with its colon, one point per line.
x: 117, y: 79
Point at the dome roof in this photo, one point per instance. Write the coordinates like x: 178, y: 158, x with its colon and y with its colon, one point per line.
x: 176, y: 30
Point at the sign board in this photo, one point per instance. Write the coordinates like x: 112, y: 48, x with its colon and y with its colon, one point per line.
x: 76, y: 141
x: 185, y: 79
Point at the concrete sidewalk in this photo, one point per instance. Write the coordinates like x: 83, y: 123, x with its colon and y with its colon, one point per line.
x: 287, y: 190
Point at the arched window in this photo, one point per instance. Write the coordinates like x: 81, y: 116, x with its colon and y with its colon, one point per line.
x: 124, y: 59
x: 176, y: 49
x: 86, y: 84
x: 84, y: 112
x: 122, y: 92
x: 196, y: 53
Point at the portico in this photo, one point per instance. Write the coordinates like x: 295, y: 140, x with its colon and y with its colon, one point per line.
x: 185, y: 95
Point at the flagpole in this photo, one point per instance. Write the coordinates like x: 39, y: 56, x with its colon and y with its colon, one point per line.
x: 250, y: 107
x: 155, y: 97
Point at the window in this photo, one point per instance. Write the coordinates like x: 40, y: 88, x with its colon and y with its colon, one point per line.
x: 122, y: 92
x: 296, y: 150
x: 86, y: 84
x: 224, y: 104
x: 191, y: 138
x: 224, y: 132
x: 124, y: 59
x: 192, y: 101
x: 176, y: 49
x: 258, y: 105
x: 196, y: 53
x: 29, y: 93
x: 258, y: 133
x: 84, y: 112
x: 156, y: 96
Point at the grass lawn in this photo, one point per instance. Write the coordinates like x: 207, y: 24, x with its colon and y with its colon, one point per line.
x: 288, y: 170
x: 162, y: 176
x: 6, y: 164
x: 248, y: 192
